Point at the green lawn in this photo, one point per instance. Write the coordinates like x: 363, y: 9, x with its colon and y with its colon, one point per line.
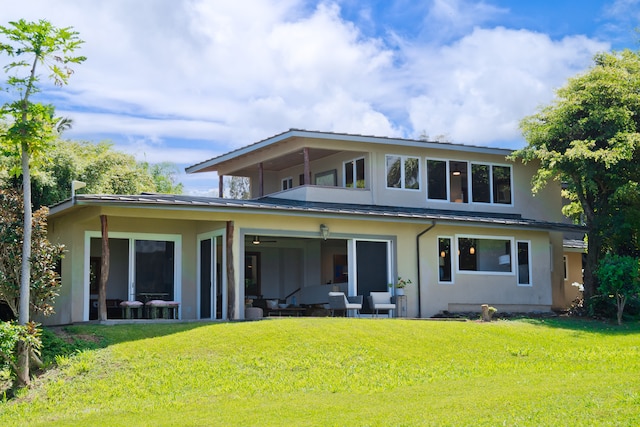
x: 338, y: 372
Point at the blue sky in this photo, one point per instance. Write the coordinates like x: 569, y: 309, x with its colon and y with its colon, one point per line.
x: 187, y: 80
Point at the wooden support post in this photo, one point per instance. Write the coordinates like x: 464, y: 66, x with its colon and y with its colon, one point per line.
x: 104, y: 270
x: 307, y: 166
x: 231, y: 276
x: 260, y: 180
x: 221, y: 186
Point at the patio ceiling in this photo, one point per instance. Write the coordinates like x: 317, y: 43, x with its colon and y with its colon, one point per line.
x: 277, y: 163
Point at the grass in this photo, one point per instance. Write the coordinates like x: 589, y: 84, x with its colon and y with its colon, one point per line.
x: 334, y: 372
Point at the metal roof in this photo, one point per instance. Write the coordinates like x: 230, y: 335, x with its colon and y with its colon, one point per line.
x: 271, y: 205
x: 291, y: 133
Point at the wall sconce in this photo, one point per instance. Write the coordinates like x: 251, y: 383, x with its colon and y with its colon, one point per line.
x: 324, y: 231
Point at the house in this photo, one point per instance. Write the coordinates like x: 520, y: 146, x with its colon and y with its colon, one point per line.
x: 327, y: 211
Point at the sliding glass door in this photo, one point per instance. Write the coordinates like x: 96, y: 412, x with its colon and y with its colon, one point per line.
x: 211, y: 292
x: 142, y: 267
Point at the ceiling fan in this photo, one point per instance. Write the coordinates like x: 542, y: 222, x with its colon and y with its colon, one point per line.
x: 256, y: 240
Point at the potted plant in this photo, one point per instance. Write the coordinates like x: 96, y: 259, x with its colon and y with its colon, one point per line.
x: 400, y: 285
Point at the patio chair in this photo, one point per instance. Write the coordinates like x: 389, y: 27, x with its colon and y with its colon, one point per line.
x: 339, y: 301
x: 381, y: 301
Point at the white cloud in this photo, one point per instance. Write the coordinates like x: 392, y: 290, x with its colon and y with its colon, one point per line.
x: 162, y: 76
x: 477, y: 89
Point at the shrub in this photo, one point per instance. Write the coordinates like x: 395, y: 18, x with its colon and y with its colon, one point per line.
x: 619, y: 278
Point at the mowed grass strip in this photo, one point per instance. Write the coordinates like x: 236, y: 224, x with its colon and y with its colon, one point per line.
x: 335, y: 372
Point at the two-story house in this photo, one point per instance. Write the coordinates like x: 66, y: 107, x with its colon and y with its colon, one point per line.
x: 326, y: 211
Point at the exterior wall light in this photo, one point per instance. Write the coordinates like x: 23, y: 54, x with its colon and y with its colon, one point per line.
x: 324, y: 231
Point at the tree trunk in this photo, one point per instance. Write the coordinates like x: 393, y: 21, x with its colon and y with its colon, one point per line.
x: 594, y: 246
x: 25, y: 273
x: 22, y: 367
x: 621, y: 300
x: 23, y: 350
x: 104, y: 270
x: 231, y: 280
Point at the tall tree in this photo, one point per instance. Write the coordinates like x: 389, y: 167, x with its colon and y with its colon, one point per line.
x: 589, y: 138
x: 32, y: 125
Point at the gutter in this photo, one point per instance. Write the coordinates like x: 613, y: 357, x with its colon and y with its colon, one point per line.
x: 433, y: 224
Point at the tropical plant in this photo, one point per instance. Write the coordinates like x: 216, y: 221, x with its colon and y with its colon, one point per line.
x: 32, y: 126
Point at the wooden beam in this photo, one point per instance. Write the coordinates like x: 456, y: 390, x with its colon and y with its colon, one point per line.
x: 221, y: 186
x: 231, y: 275
x: 260, y: 180
x: 307, y: 166
x: 104, y: 270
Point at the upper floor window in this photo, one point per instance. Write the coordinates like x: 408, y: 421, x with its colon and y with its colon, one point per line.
x: 354, y: 173
x: 437, y: 179
x: 287, y: 183
x: 482, y: 183
x: 403, y: 172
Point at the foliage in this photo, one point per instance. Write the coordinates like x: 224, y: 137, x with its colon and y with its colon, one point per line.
x: 619, y: 277
x: 10, y: 334
x: 333, y: 371
x: 239, y: 187
x: 100, y: 166
x: 164, y: 177
x: 589, y: 138
x: 45, y: 281
x: 32, y: 126
x: 55, y: 347
x: 401, y: 283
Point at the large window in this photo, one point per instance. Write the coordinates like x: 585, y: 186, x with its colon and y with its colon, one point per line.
x: 354, y: 174
x: 491, y: 184
x: 454, y: 181
x: 403, y: 172
x: 154, y: 270
x: 444, y: 260
x: 482, y: 254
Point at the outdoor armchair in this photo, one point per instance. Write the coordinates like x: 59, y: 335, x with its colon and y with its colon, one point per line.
x: 339, y: 301
x: 381, y: 301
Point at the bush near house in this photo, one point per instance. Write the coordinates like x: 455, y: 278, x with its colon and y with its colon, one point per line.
x: 619, y: 278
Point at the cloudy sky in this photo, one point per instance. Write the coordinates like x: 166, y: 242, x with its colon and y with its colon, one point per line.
x: 187, y: 80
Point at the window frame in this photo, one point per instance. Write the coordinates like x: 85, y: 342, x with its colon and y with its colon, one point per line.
x: 354, y: 172
x: 511, y: 241
x: 331, y: 174
x: 452, y: 261
x: 469, y: 182
x: 530, y: 264
x: 446, y: 176
x: 286, y: 183
x: 403, y: 177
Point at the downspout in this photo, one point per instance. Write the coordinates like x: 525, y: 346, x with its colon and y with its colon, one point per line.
x: 433, y: 224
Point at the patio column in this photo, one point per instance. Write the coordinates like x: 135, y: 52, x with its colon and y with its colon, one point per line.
x: 221, y: 186
x: 104, y: 270
x: 307, y: 166
x: 260, y: 180
x: 231, y: 275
